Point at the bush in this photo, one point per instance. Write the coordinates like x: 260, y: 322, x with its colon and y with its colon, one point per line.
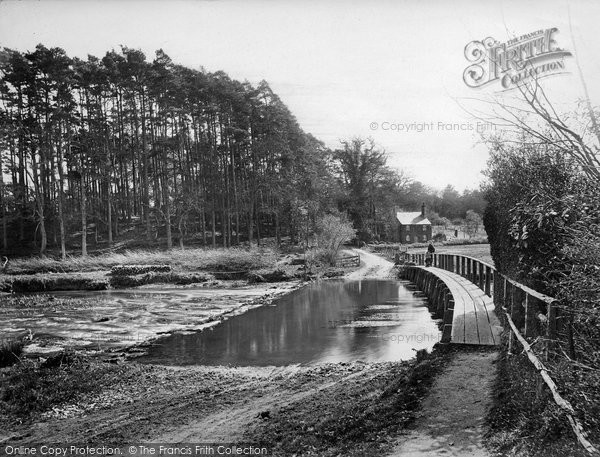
x: 438, y: 237
x: 10, y: 351
x: 332, y: 232
x: 542, y: 220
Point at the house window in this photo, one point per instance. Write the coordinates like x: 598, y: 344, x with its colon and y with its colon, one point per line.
x: 407, y: 237
x: 424, y: 228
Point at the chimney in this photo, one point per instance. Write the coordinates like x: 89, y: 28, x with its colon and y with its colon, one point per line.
x: 423, y: 210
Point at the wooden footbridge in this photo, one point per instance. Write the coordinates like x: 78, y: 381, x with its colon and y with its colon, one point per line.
x: 470, y: 296
x: 467, y: 293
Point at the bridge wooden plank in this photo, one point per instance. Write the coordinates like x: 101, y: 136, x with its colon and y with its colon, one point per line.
x: 474, y: 320
x: 466, y: 322
x: 481, y: 320
x: 485, y: 327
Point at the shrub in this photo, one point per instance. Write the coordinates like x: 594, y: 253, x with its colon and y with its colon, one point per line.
x: 439, y: 237
x: 10, y: 351
x: 332, y: 232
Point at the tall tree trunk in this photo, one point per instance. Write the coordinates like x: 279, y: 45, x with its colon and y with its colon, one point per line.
x: 39, y: 198
x: 3, y: 209
x: 109, y: 215
x: 83, y: 219
x: 214, y: 228
x: 61, y: 197
x: 145, y: 183
x: 277, y: 230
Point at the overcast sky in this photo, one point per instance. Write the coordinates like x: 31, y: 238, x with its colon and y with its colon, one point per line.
x: 339, y: 66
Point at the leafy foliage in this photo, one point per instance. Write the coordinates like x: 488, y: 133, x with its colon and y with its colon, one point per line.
x: 332, y: 232
x: 542, y: 220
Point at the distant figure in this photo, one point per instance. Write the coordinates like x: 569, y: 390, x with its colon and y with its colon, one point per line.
x: 455, y: 233
x: 4, y: 262
x: 429, y: 255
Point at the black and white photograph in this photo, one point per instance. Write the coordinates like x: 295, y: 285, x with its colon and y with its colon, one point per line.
x: 300, y: 228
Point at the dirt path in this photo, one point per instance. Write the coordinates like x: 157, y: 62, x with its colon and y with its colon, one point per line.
x: 452, y: 416
x: 228, y: 425
x: 372, y: 266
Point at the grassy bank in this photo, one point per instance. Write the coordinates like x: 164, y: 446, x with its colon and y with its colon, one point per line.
x: 136, y: 268
x: 524, y: 419
x: 231, y: 259
x: 53, y: 282
x: 361, y: 416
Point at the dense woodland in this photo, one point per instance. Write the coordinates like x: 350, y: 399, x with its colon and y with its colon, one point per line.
x: 101, y: 150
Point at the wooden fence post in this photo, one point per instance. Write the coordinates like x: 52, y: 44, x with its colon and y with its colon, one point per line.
x: 550, y: 329
x: 508, y: 304
x: 530, y: 316
x: 488, y: 281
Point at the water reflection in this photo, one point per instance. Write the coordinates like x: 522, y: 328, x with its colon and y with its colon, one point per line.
x: 330, y: 321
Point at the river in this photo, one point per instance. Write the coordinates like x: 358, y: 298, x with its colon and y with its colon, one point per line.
x: 328, y: 321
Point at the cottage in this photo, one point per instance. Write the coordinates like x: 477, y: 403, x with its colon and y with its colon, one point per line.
x: 413, y: 227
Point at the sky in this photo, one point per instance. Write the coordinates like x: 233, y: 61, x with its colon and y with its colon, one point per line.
x: 344, y: 68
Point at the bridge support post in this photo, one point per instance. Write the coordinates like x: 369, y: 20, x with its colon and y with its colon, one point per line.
x: 441, y: 300
x: 448, y: 315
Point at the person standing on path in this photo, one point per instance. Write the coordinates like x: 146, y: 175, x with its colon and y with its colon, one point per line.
x: 429, y: 255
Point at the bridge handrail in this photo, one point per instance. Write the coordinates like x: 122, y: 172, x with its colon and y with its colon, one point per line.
x: 420, y: 260
x: 529, y: 290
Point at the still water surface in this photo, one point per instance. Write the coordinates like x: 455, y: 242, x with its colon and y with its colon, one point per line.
x: 328, y: 321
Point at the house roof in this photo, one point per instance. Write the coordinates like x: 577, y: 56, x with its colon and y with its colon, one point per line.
x: 414, y: 218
